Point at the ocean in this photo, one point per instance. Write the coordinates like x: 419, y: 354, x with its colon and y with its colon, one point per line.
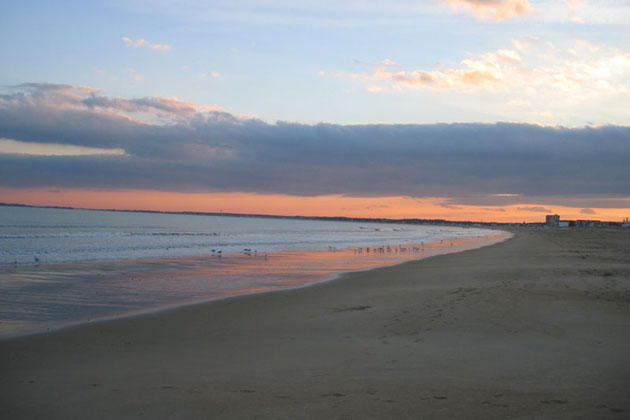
x: 60, y: 267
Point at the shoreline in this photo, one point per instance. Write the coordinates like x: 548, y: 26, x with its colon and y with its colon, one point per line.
x: 461, y: 245
x: 533, y: 327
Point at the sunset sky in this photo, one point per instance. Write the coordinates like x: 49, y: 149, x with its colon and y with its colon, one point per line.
x: 489, y: 110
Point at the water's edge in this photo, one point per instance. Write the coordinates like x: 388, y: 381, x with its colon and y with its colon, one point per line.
x: 480, y: 242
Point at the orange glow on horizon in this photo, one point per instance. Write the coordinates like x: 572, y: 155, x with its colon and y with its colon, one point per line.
x: 394, y: 207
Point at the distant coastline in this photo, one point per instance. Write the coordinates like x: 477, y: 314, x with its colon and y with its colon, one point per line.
x: 415, y: 221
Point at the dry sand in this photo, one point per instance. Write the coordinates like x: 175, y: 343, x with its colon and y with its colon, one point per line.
x: 536, y: 327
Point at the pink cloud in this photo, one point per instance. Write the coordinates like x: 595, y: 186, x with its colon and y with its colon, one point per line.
x: 50, y: 95
x: 485, y: 70
x: 154, y: 109
x: 213, y: 74
x: 530, y: 71
x: 574, y: 5
x: 496, y: 10
x: 141, y: 42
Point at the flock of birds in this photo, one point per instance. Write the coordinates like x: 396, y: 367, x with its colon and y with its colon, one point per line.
x: 390, y: 249
x: 376, y: 249
x: 246, y: 251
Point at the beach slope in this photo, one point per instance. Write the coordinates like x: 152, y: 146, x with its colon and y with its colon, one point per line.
x: 535, y: 327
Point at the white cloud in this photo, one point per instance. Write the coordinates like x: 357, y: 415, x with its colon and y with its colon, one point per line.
x: 584, y: 66
x: 10, y: 146
x: 584, y: 78
x: 599, y: 12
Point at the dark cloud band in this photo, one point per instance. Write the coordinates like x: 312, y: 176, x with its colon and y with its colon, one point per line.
x: 179, y: 146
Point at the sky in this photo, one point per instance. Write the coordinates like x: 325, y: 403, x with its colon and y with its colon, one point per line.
x: 488, y: 110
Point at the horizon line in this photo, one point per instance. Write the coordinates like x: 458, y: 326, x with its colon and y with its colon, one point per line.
x: 416, y: 220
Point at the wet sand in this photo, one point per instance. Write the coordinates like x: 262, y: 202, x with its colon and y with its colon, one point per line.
x: 535, y: 327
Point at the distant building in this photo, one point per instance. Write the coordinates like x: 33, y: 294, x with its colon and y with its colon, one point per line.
x: 626, y: 223
x: 552, y: 220
x: 564, y: 223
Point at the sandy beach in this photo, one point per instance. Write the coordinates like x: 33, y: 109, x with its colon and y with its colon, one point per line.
x: 535, y: 327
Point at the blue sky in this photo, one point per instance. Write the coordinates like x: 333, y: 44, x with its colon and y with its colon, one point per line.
x: 314, y: 61
x: 477, y: 109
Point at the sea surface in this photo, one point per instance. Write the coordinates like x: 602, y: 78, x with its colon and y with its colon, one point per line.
x: 60, y: 267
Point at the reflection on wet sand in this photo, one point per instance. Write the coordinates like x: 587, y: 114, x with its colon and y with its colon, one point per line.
x: 39, y: 297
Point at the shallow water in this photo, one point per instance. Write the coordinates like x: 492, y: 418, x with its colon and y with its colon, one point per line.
x: 30, y: 235
x: 37, y: 296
